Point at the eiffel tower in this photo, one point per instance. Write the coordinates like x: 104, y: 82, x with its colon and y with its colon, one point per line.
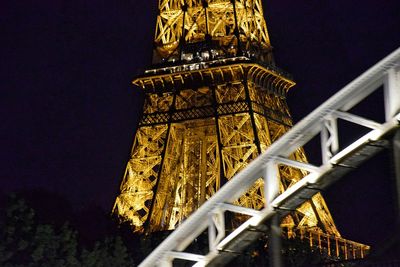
x: 214, y: 101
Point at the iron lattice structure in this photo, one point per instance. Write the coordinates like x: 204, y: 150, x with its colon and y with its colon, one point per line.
x: 214, y: 101
x: 189, y: 29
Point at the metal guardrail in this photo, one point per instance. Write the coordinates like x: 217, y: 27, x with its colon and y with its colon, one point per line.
x: 323, y: 121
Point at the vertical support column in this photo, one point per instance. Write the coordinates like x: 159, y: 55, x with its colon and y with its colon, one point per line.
x: 271, y: 191
x: 212, y: 233
x: 275, y: 249
x: 216, y: 229
x: 328, y: 241
x: 319, y: 242
x: 182, y: 38
x: 329, y: 139
x: 337, y: 247
x: 271, y: 182
x: 396, y: 160
x: 236, y: 31
x: 251, y: 113
x: 203, y: 168
x: 166, y: 262
x: 392, y: 108
x: 392, y: 93
x: 205, y: 6
x: 222, y: 178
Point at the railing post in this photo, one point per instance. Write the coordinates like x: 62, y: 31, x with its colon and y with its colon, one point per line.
x: 216, y: 229
x: 271, y: 182
x: 337, y: 247
x: 329, y: 139
x: 328, y: 240
x: 212, y: 233
x: 392, y: 93
x: 319, y: 242
x: 166, y: 262
x: 271, y: 191
x: 362, y: 252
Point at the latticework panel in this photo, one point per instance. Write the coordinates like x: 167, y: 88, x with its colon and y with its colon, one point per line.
x: 163, y: 201
x: 137, y: 188
x: 223, y: 21
x: 201, y: 165
x: 238, y: 149
x: 156, y: 103
x: 237, y: 138
x: 315, y: 214
x: 190, y: 98
x: 190, y: 174
x: 230, y: 92
x: 269, y: 104
x: 262, y: 131
x: 324, y: 214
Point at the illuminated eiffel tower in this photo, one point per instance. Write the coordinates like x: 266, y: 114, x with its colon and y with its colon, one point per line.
x: 214, y: 100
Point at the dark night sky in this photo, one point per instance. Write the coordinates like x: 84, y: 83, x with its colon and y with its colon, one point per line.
x: 69, y: 113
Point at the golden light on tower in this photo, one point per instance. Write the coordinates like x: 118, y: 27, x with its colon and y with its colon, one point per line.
x: 229, y: 25
x: 214, y: 101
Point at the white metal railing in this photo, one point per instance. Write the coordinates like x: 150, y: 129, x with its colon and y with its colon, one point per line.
x: 323, y: 121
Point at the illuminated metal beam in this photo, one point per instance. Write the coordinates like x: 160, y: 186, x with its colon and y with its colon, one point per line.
x: 296, y: 164
x: 385, y: 72
x: 355, y: 119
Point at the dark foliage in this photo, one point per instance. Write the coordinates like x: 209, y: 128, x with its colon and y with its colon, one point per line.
x: 26, y: 242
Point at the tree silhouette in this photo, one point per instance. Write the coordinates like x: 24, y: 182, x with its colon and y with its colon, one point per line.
x: 24, y: 242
